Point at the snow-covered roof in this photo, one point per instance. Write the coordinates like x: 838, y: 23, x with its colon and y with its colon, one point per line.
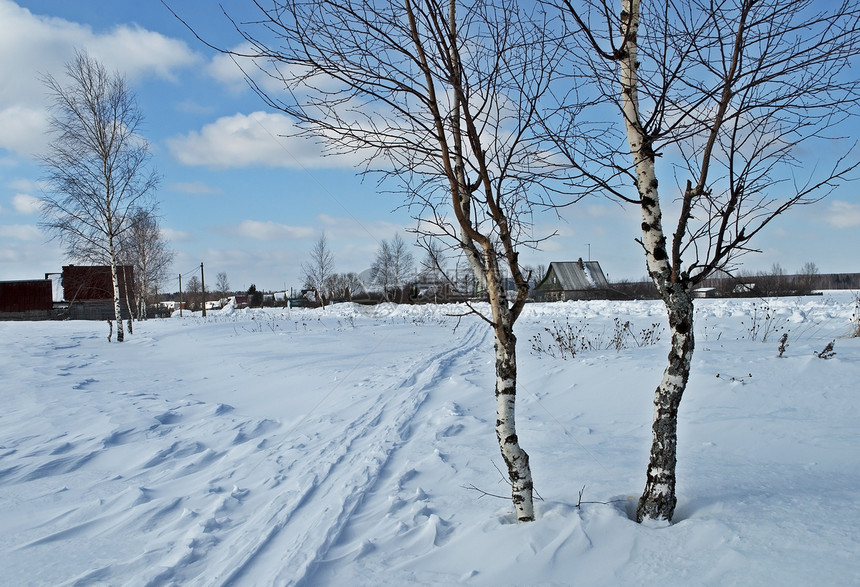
x: 573, y: 275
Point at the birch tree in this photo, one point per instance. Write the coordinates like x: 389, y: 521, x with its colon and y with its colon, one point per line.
x: 194, y: 292
x: 345, y: 286
x: 741, y: 100
x: 320, y: 269
x: 144, y: 247
x: 392, y: 266
x: 97, y: 166
x: 433, y: 271
x: 222, y: 284
x: 441, y: 98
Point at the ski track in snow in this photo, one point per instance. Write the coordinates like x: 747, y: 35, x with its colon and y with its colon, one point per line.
x: 354, y: 460
x: 249, y: 494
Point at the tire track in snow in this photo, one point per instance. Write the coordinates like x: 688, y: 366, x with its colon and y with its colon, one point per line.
x: 293, y: 532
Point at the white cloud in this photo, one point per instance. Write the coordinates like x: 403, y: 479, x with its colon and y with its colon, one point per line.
x: 269, y: 267
x: 555, y: 245
x: 139, y: 53
x: 247, y: 140
x: 23, y: 130
x: 26, y: 204
x: 270, y: 231
x: 353, y: 228
x: 231, y: 72
x: 195, y: 187
x: 21, y: 232
x: 30, y: 261
x: 40, y: 45
x: 223, y: 69
x: 172, y: 235
x: 843, y: 214
x: 192, y: 107
x: 24, y: 184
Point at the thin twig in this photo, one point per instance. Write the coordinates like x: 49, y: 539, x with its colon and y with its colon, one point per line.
x: 580, y: 502
x: 484, y: 493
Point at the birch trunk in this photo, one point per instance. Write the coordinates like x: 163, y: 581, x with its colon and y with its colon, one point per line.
x: 658, y: 499
x: 504, y: 317
x: 128, y: 301
x: 516, y: 459
x: 117, y: 308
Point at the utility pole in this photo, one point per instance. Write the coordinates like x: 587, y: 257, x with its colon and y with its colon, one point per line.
x: 180, y: 295
x: 203, y: 288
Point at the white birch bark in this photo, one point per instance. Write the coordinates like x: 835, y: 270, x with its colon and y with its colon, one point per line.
x: 658, y: 499
x: 128, y: 300
x: 516, y: 459
x: 120, y: 333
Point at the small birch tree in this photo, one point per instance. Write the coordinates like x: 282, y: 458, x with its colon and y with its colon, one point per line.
x: 193, y: 292
x: 144, y: 247
x: 222, y: 284
x: 97, y: 166
x: 320, y: 269
x: 432, y: 269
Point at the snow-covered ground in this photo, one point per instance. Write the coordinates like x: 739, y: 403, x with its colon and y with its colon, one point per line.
x: 343, y: 447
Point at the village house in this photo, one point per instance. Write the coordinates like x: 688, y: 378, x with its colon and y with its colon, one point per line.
x: 88, y: 290
x: 30, y: 299
x: 572, y: 280
x: 80, y: 292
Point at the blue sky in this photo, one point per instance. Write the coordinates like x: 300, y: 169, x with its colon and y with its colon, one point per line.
x: 239, y: 198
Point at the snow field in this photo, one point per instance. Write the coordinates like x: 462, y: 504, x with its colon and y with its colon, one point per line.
x: 351, y: 445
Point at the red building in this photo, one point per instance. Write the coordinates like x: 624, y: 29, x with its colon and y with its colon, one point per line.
x: 88, y: 290
x: 87, y: 295
x: 26, y: 300
x: 93, y: 282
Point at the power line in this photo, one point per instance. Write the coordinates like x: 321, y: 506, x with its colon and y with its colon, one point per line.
x: 189, y: 272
